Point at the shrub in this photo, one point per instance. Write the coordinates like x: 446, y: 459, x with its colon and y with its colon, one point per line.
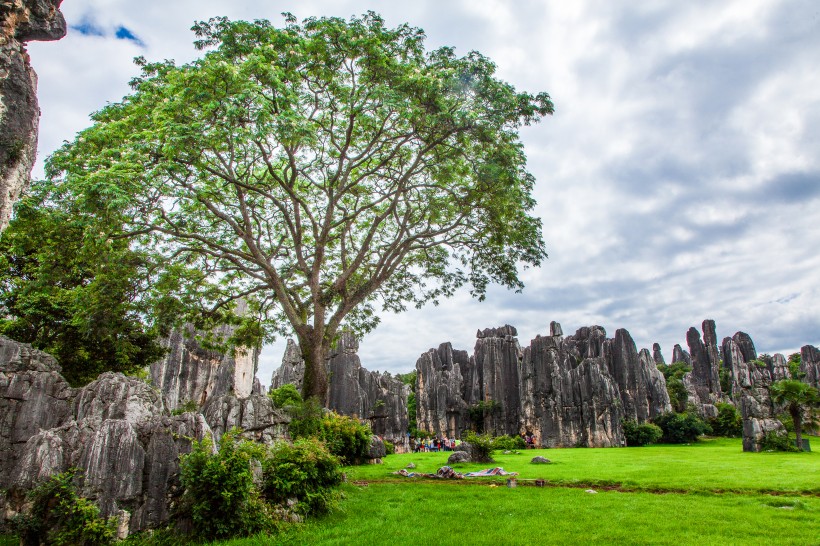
x: 220, y: 496
x: 389, y: 448
x: 58, y: 516
x: 640, y: 435
x: 778, y: 441
x: 305, y: 471
x: 509, y: 443
x: 680, y: 428
x: 306, y: 418
x: 678, y: 396
x: 345, y: 437
x: 285, y: 396
x: 481, y: 447
x: 728, y: 421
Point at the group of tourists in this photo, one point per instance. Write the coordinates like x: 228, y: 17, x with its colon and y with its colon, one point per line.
x: 423, y: 445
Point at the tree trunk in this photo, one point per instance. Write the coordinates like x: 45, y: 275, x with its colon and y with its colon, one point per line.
x: 797, y: 418
x: 314, y: 353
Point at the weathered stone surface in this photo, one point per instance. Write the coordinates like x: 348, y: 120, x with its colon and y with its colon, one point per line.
x: 679, y: 355
x: 750, y: 391
x: 810, y: 365
x: 641, y: 384
x: 780, y: 367
x: 377, y: 448
x: 703, y: 382
x: 21, y: 21
x: 115, y: 396
x: 191, y: 373
x: 33, y: 397
x: 255, y: 415
x: 292, y: 369
x: 657, y: 355
x: 497, y: 357
x: 441, y: 403
x: 540, y: 460
x: 459, y: 457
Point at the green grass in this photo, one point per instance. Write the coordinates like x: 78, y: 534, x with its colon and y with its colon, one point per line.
x: 711, y: 465
x: 459, y: 513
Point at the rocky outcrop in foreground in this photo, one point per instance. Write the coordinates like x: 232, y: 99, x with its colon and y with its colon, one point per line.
x: 117, y: 430
x: 353, y: 390
x: 567, y: 391
x: 21, y: 21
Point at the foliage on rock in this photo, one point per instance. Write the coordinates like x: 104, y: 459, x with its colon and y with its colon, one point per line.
x: 285, y: 396
x: 479, y: 446
x: 58, y: 516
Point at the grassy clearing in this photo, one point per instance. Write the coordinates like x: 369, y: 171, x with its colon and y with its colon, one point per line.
x: 711, y: 465
x: 458, y: 513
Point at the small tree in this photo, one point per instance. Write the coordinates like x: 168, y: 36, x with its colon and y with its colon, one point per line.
x: 796, y: 396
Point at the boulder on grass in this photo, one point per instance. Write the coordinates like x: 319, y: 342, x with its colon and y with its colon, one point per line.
x: 540, y: 460
x: 459, y: 457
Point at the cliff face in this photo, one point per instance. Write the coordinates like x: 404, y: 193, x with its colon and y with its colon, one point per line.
x: 21, y: 21
x: 567, y: 391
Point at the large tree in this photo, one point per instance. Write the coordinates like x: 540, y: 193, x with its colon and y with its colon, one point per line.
x: 319, y: 170
x: 796, y: 397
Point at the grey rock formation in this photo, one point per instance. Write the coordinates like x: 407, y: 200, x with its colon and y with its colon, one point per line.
x: 679, y: 355
x: 703, y: 382
x: 21, y: 21
x: 780, y: 367
x: 459, y: 457
x: 540, y: 460
x: 377, y: 449
x: 255, y: 415
x: 292, y: 369
x: 192, y: 373
x: 750, y: 391
x: 353, y: 390
x: 641, y: 384
x: 567, y: 391
x: 657, y: 355
x: 810, y: 365
x: 189, y: 372
x: 33, y: 397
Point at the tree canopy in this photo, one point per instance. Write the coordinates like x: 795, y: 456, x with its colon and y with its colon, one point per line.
x: 796, y: 397
x: 320, y: 171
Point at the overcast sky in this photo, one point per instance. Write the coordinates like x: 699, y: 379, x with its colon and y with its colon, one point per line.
x: 678, y: 180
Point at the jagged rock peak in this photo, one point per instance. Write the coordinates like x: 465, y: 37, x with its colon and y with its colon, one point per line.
x: 680, y: 355
x: 746, y: 345
x: 555, y: 329
x: 346, y: 344
x: 32, y: 20
x: 657, y: 355
x: 17, y: 357
x: 501, y: 332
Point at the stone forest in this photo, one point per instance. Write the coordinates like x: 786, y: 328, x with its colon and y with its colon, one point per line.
x: 389, y: 166
x: 126, y: 434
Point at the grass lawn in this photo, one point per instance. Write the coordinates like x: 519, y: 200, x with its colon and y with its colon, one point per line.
x: 710, y: 465
x: 711, y: 493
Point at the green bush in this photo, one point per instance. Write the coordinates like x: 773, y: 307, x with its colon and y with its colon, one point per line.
x: 345, y: 437
x: 220, y: 495
x: 681, y: 428
x: 306, y: 418
x: 305, y: 471
x: 285, y: 396
x: 481, y: 447
x: 728, y: 422
x: 678, y: 396
x: 389, y: 448
x: 640, y: 435
x: 509, y: 443
x: 778, y: 441
x: 58, y: 516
